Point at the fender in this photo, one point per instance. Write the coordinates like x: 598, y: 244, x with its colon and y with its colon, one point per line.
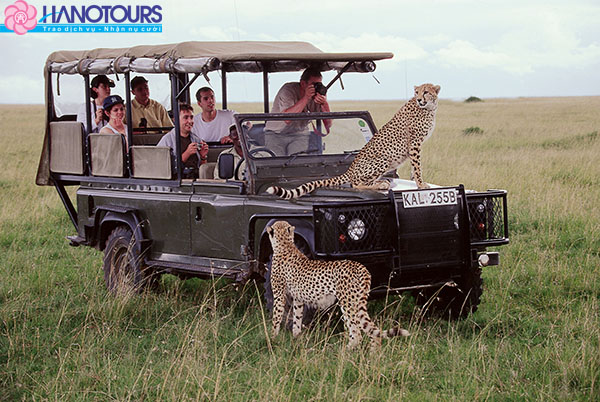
x: 107, y: 215
x: 304, y: 229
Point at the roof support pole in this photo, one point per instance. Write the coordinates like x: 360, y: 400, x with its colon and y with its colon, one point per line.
x: 175, y: 109
x: 88, y: 104
x: 224, y: 87
x: 265, y: 87
x: 129, y: 122
x: 339, y: 74
x: 187, y: 86
x: 88, y: 122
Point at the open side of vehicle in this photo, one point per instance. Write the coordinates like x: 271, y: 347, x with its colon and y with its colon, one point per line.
x: 133, y: 204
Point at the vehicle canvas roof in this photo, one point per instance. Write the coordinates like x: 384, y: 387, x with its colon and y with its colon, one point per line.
x: 194, y: 56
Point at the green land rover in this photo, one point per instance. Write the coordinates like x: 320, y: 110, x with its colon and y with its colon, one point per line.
x: 134, y: 204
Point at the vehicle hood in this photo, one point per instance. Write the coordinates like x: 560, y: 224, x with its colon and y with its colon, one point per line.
x: 347, y: 193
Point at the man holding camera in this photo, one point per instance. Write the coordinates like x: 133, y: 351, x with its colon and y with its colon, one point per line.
x: 308, y: 95
x: 145, y: 112
x: 194, y: 151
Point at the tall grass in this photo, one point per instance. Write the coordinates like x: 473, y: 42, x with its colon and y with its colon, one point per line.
x: 536, y: 334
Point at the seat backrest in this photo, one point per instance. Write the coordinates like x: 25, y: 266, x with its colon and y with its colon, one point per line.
x: 147, y: 138
x: 151, y: 162
x: 107, y: 154
x: 66, y: 147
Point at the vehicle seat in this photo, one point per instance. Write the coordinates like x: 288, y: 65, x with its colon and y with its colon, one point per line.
x: 146, y: 138
x: 108, y: 155
x: 66, y: 147
x: 206, y: 171
x: 150, y: 162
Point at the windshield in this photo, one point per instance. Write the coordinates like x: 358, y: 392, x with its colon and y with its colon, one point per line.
x: 277, y: 135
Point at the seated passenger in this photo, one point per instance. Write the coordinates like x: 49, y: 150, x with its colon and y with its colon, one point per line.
x: 238, y: 155
x: 194, y: 151
x: 146, y: 112
x: 114, y: 109
x: 99, y: 90
x: 212, y: 125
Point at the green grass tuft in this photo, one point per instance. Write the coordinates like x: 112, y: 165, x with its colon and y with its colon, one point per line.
x: 472, y: 130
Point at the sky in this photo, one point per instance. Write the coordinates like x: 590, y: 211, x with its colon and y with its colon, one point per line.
x: 489, y: 49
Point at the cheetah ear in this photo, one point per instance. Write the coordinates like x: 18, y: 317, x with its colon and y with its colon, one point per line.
x: 291, y: 229
x: 437, y: 89
x: 269, y: 230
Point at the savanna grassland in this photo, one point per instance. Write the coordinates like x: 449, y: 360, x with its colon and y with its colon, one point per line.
x: 536, y: 334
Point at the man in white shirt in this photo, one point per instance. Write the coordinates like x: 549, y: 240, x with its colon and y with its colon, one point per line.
x: 212, y: 125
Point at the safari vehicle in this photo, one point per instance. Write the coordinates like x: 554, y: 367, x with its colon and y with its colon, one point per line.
x: 133, y: 204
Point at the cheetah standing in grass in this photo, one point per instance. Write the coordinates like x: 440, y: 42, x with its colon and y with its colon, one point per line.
x: 398, y: 139
x: 320, y: 284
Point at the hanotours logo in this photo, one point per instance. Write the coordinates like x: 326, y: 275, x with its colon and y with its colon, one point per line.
x: 20, y: 17
x: 91, y: 18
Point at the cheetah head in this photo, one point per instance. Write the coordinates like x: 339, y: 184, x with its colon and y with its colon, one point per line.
x: 281, y: 233
x: 426, y: 96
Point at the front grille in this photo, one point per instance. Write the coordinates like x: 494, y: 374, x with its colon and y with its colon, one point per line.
x: 430, y: 235
x: 487, y: 214
x: 332, y: 224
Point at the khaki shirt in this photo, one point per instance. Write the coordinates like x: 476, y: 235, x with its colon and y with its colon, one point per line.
x: 288, y: 96
x: 154, y: 113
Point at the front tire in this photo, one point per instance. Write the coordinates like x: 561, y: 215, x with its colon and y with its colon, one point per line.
x: 123, y: 264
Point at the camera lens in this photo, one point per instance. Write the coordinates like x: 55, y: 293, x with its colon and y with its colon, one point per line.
x: 320, y: 88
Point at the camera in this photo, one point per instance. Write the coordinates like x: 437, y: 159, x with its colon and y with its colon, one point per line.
x: 320, y: 88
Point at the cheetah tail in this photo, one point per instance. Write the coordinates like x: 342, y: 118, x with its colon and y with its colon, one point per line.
x: 306, y: 187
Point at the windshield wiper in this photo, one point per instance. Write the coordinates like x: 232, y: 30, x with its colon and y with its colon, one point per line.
x: 349, y: 154
x: 296, y: 154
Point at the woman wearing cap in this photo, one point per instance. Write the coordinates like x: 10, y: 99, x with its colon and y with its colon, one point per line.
x: 100, y: 89
x: 114, y: 109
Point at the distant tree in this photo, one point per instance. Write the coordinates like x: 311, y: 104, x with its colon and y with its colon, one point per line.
x: 473, y: 99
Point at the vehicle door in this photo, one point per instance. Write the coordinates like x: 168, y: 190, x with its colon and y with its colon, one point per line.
x: 218, y: 228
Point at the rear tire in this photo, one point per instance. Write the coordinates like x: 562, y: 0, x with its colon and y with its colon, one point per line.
x: 123, y: 264
x: 453, y: 302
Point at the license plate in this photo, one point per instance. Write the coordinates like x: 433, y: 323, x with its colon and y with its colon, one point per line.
x: 429, y: 198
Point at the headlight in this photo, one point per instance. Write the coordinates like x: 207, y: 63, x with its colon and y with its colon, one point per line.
x: 356, y: 229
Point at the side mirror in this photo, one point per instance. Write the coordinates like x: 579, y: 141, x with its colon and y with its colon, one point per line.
x: 226, y: 166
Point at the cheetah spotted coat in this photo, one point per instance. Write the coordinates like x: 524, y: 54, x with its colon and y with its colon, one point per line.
x: 319, y: 284
x: 397, y: 140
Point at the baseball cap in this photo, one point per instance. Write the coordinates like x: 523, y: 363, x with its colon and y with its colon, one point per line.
x: 110, y: 101
x: 102, y: 79
x: 137, y: 81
